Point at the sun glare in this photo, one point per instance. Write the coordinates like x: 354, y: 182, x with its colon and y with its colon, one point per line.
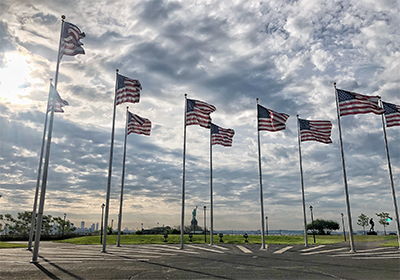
x: 14, y: 79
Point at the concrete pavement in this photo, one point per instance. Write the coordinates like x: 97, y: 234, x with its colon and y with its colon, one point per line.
x: 202, y: 261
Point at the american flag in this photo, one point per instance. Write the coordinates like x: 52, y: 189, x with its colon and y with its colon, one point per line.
x: 58, y: 102
x: 351, y: 103
x: 392, y: 114
x: 128, y: 90
x: 138, y: 124
x: 319, y: 131
x: 70, y: 40
x: 198, y: 112
x: 221, y: 136
x: 270, y: 120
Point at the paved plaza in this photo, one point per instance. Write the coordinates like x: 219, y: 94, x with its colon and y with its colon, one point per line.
x: 202, y: 261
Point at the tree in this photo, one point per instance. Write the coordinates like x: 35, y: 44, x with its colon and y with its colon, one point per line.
x: 8, y: 222
x: 68, y: 226
x: 323, y: 226
x: 175, y: 231
x: 384, y: 219
x: 22, y: 224
x: 363, y: 221
x: 109, y: 230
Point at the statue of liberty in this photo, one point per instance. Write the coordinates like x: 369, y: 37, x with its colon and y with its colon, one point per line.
x: 194, y: 214
x: 193, y: 222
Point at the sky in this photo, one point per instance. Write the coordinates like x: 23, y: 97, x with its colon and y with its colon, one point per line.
x: 226, y: 53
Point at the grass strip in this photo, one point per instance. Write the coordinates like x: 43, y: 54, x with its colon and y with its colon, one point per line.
x: 229, y: 239
x: 12, y: 245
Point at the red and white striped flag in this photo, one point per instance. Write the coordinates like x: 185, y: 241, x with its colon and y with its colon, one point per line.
x: 70, y: 40
x: 270, y: 120
x: 127, y: 90
x: 392, y: 114
x: 198, y: 112
x: 319, y: 131
x: 351, y: 103
x: 221, y: 136
x: 58, y: 101
x: 138, y: 125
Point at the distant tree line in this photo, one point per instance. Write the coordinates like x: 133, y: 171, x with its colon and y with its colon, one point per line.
x: 384, y: 219
x: 19, y: 227
x: 169, y: 230
x: 322, y: 227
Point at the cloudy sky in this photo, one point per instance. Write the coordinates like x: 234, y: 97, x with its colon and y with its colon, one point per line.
x: 226, y: 53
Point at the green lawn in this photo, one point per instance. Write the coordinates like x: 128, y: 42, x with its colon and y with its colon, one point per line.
x: 392, y: 243
x: 12, y: 245
x: 230, y: 239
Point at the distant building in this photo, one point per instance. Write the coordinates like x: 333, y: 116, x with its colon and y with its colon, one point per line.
x: 83, y: 225
x: 92, y: 227
x: 97, y: 226
x: 127, y: 231
x: 156, y: 230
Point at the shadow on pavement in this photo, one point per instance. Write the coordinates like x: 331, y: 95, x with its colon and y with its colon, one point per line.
x: 174, y: 267
x: 45, y: 271
x: 51, y: 275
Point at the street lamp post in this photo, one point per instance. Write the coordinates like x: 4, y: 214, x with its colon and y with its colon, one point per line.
x: 65, y: 214
x: 266, y: 224
x: 205, y: 228
x: 112, y: 223
x: 101, y: 227
x: 344, y: 231
x: 312, y: 223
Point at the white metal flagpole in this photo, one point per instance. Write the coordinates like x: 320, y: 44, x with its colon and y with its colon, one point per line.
x: 44, y: 183
x: 396, y: 212
x: 104, y: 250
x: 122, y: 182
x: 261, y: 189
x: 346, y: 191
x: 302, y: 184
x: 58, y: 56
x: 211, y: 193
x: 47, y: 156
x: 33, y: 219
x: 183, y: 175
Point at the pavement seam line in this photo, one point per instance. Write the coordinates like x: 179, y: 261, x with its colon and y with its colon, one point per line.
x: 283, y: 250
x: 244, y: 249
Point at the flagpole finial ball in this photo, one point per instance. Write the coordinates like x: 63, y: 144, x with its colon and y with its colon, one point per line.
x: 117, y: 70
x: 257, y: 99
x: 334, y: 83
x: 63, y: 17
x: 185, y: 94
x: 51, y: 79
